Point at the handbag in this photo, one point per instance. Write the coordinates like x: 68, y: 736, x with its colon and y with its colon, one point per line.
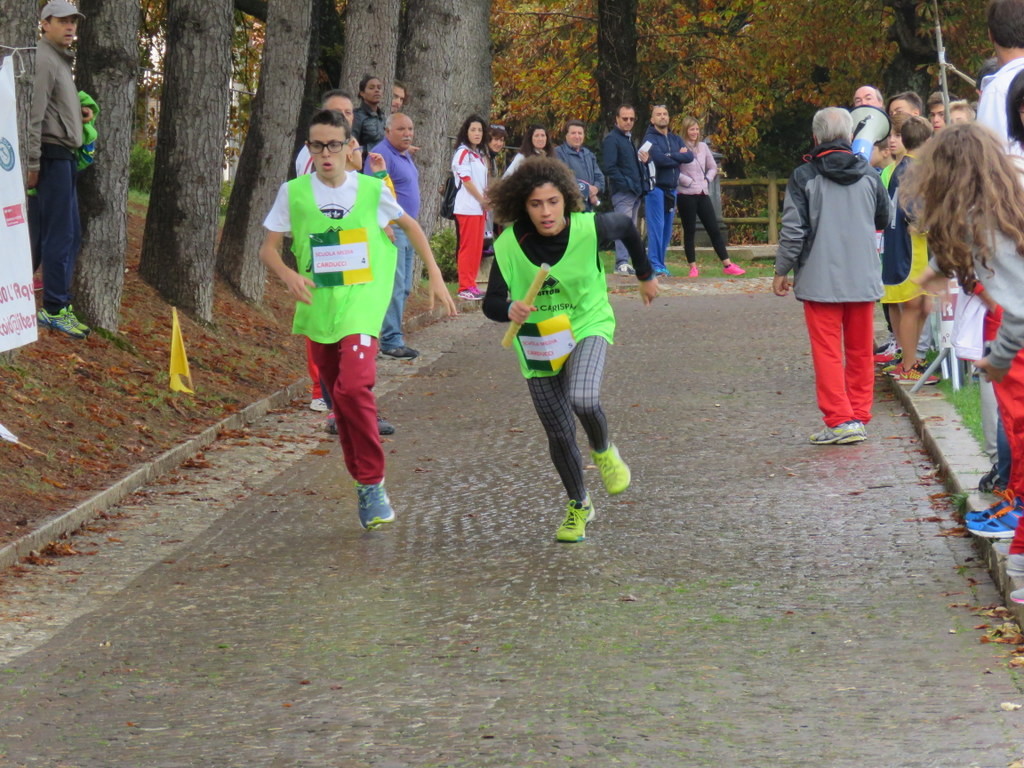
x: 448, y: 193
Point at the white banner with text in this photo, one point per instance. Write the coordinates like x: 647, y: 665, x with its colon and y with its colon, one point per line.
x: 17, y: 304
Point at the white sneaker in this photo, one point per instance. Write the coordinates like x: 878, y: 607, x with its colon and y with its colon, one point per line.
x: 625, y: 269
x: 318, y: 404
x: 1017, y: 596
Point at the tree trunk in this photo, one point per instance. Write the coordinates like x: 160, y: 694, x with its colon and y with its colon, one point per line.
x: 447, y: 82
x: 915, y: 50
x: 266, y: 156
x: 181, y: 226
x: 371, y: 44
x: 107, y: 69
x: 616, y: 72
x: 322, y: 63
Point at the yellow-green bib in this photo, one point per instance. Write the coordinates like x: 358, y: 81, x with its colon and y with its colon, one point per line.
x: 342, y: 310
x: 576, y: 285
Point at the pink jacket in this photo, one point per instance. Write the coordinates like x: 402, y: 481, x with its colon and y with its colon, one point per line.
x: 695, y: 175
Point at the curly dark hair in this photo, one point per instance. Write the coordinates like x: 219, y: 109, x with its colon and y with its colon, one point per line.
x: 508, y: 195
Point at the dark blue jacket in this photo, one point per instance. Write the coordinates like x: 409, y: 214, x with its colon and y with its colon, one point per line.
x: 619, y: 163
x: 667, y: 153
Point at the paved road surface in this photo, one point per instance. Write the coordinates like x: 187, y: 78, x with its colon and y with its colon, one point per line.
x: 752, y: 600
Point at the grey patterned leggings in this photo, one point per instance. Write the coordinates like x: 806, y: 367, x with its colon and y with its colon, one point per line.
x: 576, y: 389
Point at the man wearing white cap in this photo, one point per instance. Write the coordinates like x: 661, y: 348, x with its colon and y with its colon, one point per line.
x: 54, y: 136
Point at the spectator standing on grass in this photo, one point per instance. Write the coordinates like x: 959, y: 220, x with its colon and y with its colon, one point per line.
x: 582, y: 162
x: 339, y: 307
x: 620, y: 162
x: 666, y: 153
x: 54, y: 139
x: 835, y: 204
x: 469, y: 166
x: 694, y: 201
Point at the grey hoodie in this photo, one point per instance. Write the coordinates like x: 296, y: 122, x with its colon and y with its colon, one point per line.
x: 835, y: 204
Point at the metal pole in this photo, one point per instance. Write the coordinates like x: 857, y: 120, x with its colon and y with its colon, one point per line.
x: 943, y: 82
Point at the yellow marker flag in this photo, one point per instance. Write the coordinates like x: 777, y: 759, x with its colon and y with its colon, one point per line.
x: 179, y: 360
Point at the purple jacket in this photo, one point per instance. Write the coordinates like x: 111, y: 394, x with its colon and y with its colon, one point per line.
x: 695, y: 175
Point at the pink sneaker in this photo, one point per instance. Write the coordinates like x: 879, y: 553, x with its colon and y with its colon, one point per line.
x: 693, y: 270
x: 733, y: 269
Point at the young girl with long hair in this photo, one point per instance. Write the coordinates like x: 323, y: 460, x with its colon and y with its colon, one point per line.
x: 536, y: 143
x: 562, y: 348
x: 967, y: 194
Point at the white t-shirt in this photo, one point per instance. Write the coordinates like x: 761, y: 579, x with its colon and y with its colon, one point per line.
x: 333, y: 202
x: 468, y: 164
x: 303, y: 162
x: 992, y: 106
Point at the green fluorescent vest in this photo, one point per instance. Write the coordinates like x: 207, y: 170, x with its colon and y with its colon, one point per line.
x: 340, y: 311
x: 576, y: 285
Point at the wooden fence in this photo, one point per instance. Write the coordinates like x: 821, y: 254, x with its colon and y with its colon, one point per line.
x: 774, y: 185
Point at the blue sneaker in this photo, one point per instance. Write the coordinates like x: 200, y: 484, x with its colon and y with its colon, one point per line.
x: 1006, y: 501
x: 1000, y: 525
x: 374, y: 505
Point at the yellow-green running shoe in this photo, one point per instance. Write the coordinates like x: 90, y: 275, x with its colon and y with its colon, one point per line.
x: 574, y: 527
x: 614, y: 471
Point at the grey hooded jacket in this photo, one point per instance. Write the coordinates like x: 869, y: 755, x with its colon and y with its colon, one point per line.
x: 835, y: 204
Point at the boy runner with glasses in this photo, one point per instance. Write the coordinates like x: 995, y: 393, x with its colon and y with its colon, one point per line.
x: 346, y: 270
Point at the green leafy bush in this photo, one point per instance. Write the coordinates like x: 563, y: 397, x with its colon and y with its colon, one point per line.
x: 443, y: 245
x: 140, y: 169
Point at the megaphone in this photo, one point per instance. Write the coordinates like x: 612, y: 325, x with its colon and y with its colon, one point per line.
x: 870, y: 125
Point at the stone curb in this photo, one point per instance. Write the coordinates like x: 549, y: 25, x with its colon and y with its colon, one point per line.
x: 962, y: 463
x: 73, y: 519
x: 70, y: 521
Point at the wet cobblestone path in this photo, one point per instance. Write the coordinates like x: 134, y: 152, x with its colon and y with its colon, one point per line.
x: 752, y: 600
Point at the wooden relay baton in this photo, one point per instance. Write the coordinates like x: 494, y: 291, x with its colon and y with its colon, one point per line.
x: 531, y: 294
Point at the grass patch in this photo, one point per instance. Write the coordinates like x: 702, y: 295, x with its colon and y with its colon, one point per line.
x: 967, y: 402
x: 709, y: 266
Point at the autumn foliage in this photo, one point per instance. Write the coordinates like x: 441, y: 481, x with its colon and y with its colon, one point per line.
x: 738, y: 66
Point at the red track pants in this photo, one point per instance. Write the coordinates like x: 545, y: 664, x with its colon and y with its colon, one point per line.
x: 349, y: 370
x: 845, y: 389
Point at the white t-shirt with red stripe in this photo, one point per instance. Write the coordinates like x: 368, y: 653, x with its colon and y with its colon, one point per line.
x: 467, y: 164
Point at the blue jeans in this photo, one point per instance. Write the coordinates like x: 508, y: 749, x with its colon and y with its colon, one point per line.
x: 1003, y: 450
x: 54, y: 227
x: 629, y: 204
x: 660, y: 214
x: 391, y: 332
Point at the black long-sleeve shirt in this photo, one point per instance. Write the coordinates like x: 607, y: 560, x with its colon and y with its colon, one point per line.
x: 541, y: 249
